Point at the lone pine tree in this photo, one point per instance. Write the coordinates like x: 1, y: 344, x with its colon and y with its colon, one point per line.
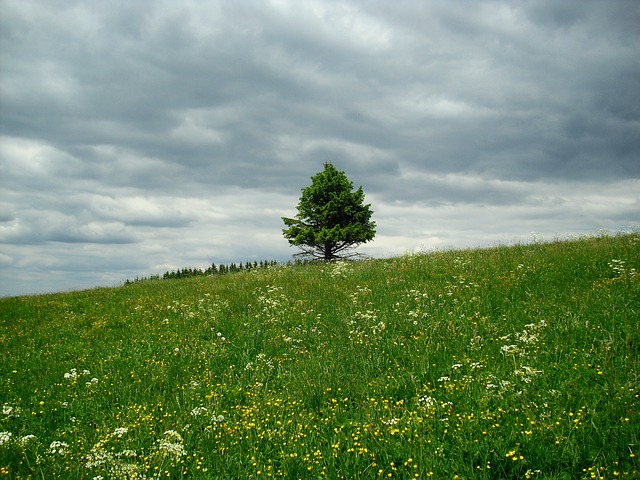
x: 332, y: 218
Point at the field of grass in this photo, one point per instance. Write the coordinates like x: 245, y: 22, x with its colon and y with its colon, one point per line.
x: 508, y: 362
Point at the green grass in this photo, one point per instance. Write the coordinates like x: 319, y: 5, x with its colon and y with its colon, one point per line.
x: 508, y: 362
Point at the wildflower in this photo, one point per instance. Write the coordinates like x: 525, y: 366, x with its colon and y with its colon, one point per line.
x: 120, y: 432
x: 427, y: 401
x: 127, y: 453
x: 444, y: 379
x: 10, y: 411
x: 27, y: 439
x: 509, y: 349
x: 57, y: 447
x: 96, y: 457
x: 5, y: 437
x: 171, y: 445
x: 217, y: 418
x: 197, y: 411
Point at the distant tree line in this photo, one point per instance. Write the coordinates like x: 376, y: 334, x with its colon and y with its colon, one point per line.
x: 214, y: 269
x: 221, y: 269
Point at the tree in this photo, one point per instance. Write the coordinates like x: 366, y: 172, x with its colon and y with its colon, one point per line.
x: 331, y: 219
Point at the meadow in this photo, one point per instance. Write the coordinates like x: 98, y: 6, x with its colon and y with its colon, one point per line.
x: 506, y: 362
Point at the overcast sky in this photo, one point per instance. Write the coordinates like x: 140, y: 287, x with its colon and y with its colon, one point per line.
x: 140, y: 137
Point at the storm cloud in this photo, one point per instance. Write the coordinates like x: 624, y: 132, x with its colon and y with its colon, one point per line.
x: 139, y: 137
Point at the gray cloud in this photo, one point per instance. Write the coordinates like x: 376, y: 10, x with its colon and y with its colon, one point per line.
x: 136, y: 137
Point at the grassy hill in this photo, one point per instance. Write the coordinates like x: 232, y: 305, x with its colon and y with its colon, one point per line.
x: 508, y: 362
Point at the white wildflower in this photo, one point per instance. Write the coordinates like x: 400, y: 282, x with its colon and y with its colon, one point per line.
x: 57, y: 447
x: 427, y: 401
x: 5, y: 437
x: 510, y: 349
x: 197, y: 411
x: 217, y: 418
x: 171, y: 445
x: 27, y: 439
x: 10, y: 411
x: 120, y: 432
x: 96, y: 457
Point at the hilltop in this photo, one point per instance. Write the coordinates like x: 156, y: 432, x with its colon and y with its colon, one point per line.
x: 505, y: 362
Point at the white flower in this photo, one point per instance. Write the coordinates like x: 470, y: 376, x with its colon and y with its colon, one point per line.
x: 171, y: 445
x: 26, y: 439
x: 58, y: 447
x: 173, y: 435
x: 510, y: 349
x: 197, y: 411
x: 427, y: 401
x: 120, y: 432
x: 10, y: 411
x: 97, y: 457
x: 217, y: 419
x: 5, y: 437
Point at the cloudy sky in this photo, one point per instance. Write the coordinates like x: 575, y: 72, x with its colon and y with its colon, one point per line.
x: 140, y: 137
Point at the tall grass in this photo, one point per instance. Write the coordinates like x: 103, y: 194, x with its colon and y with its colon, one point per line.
x: 509, y: 362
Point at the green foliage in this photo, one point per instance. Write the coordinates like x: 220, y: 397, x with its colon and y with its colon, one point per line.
x: 331, y: 219
x: 214, y: 269
x: 509, y: 362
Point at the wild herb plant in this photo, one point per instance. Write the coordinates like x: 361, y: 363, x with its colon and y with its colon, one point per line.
x: 508, y: 362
